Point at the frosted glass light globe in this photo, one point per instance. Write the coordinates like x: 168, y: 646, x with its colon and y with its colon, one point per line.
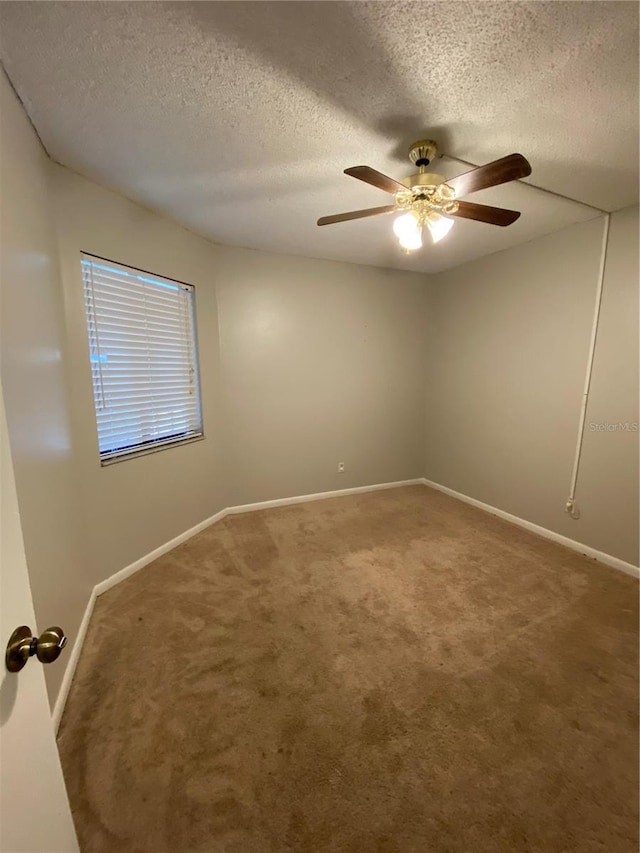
x: 439, y: 226
x: 408, y: 231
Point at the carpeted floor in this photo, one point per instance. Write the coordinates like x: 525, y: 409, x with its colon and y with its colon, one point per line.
x: 393, y: 672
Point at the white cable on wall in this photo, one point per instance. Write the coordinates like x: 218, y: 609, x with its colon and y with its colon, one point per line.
x: 570, y: 506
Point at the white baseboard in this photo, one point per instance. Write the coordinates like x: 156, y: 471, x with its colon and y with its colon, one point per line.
x: 113, y: 580
x: 72, y: 663
x: 607, y: 559
x: 103, y: 586
x: 301, y: 499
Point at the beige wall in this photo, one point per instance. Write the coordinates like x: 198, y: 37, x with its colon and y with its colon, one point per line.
x: 138, y: 504
x: 35, y: 380
x: 323, y: 363
x: 508, y: 357
x: 608, y: 483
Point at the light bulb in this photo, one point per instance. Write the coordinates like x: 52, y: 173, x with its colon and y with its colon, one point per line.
x: 408, y: 230
x: 439, y: 226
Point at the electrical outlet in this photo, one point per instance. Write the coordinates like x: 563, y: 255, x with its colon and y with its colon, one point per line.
x: 340, y: 467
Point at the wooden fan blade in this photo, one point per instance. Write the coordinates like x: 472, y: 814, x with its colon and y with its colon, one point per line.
x: 356, y: 214
x: 485, y: 213
x: 376, y: 179
x: 509, y: 168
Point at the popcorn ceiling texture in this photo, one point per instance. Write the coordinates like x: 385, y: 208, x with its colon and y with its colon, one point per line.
x: 237, y: 119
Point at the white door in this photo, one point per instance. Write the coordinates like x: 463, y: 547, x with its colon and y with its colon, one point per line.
x: 34, y: 810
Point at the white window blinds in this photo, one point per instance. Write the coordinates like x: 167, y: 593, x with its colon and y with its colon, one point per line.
x: 142, y: 346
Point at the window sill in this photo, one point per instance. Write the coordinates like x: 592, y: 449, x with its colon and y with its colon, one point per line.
x: 148, y: 449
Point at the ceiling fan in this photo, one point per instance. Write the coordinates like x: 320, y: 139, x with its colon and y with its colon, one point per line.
x: 426, y: 198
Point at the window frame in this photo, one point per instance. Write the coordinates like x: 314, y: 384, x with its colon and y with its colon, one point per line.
x: 111, y: 457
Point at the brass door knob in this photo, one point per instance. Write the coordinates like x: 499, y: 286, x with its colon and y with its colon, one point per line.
x: 22, y: 646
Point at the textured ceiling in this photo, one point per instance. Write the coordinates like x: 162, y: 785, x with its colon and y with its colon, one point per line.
x: 237, y: 119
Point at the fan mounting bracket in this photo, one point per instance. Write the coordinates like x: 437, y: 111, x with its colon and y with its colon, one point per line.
x: 422, y: 152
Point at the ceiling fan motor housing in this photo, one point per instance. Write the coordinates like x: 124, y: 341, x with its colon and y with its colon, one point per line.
x: 422, y: 179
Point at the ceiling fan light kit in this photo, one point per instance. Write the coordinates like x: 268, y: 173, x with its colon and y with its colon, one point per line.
x: 428, y: 199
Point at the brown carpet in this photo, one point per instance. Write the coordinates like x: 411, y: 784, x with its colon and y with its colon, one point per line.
x: 394, y: 672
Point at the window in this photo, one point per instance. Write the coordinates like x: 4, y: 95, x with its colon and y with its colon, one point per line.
x: 144, y: 363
